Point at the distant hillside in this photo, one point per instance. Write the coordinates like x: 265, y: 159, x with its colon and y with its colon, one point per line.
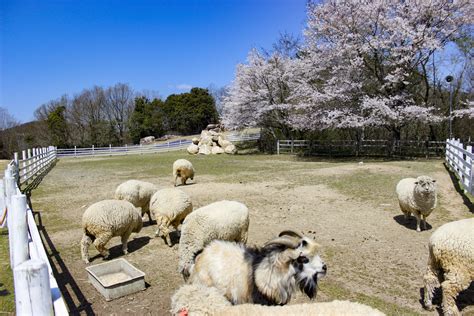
x: 23, y: 136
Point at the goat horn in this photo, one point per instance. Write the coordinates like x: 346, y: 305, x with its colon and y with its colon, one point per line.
x: 290, y: 233
x: 283, y: 241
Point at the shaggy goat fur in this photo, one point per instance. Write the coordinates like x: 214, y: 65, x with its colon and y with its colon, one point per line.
x: 195, y: 300
x: 106, y: 219
x: 417, y: 196
x: 451, y: 263
x: 267, y: 275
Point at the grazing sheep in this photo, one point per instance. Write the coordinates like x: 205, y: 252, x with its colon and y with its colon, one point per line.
x: 138, y: 193
x: 170, y: 207
x: 225, y: 220
x: 195, y: 300
x: 417, y: 196
x: 184, y: 169
x: 106, y: 219
x: 451, y: 263
x: 267, y: 275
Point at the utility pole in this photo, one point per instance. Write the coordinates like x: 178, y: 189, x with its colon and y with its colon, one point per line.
x: 449, y: 79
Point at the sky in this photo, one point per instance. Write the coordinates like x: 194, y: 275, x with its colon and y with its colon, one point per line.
x: 51, y: 48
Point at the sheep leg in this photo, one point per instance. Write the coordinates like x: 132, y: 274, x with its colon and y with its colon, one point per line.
x: 85, y: 243
x: 183, y: 180
x: 100, y: 243
x: 125, y: 241
x: 431, y: 282
x: 454, y: 283
x: 149, y: 216
x: 424, y: 221
x: 417, y: 215
x: 175, y: 179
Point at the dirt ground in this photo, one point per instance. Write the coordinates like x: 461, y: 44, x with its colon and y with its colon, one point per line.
x: 347, y: 206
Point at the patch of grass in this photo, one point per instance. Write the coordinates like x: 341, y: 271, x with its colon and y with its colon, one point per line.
x: 336, y: 291
x: 7, y: 297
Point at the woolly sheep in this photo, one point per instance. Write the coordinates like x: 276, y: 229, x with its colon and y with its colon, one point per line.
x: 138, y: 193
x: 106, y: 219
x: 170, y: 207
x: 450, y: 262
x: 196, y: 300
x: 184, y: 169
x: 417, y: 196
x: 225, y: 220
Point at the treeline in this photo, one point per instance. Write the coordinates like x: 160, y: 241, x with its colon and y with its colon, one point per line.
x: 115, y: 115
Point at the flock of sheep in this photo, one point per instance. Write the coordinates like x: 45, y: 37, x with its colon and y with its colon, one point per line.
x: 224, y: 276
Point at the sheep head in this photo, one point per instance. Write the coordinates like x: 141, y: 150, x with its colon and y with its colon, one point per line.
x: 425, y: 185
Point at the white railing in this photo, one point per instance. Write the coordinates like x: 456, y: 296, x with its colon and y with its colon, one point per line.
x: 237, y: 137
x: 460, y: 161
x: 36, y: 290
x: 124, y: 150
x: 33, y: 162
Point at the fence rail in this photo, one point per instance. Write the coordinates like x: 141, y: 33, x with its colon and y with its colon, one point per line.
x: 362, y: 148
x: 460, y: 161
x: 36, y: 290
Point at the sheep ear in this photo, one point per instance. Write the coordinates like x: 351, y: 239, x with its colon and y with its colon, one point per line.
x: 434, y: 181
x: 291, y: 233
x: 416, y: 182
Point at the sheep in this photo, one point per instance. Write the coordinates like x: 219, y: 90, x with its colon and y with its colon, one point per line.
x: 225, y: 220
x: 417, y: 196
x: 169, y: 206
x: 138, y: 193
x: 106, y: 219
x: 450, y: 263
x: 267, y: 275
x: 184, y: 169
x: 195, y: 300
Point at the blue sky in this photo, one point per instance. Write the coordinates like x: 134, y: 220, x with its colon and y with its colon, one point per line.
x: 51, y: 48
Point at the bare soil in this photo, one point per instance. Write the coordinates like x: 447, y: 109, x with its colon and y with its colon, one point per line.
x: 373, y: 256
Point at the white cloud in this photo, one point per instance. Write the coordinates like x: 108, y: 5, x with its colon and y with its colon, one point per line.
x: 183, y: 86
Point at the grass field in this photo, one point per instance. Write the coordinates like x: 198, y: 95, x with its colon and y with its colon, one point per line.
x: 347, y: 206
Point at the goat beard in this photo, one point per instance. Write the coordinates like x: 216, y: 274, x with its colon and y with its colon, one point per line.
x: 308, y: 285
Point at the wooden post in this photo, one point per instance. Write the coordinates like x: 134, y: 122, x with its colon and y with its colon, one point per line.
x: 3, y: 204
x: 469, y: 170
x: 18, y: 230
x: 110, y: 149
x: 92, y: 150
x: 278, y: 146
x: 168, y: 146
x: 32, y: 289
x: 33, y: 160
x: 16, y: 167
x: 23, y: 157
x: 28, y: 170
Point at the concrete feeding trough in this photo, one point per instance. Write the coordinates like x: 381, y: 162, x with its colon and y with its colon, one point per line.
x: 116, y: 278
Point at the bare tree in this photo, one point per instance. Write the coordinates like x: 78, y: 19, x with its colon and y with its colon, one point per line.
x: 118, y: 108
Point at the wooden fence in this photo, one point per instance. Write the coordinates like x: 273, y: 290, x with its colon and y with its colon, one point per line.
x: 376, y: 148
x: 460, y: 161
x: 123, y: 150
x: 36, y: 289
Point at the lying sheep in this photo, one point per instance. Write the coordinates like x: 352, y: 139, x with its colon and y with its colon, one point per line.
x: 225, y: 220
x: 184, y: 169
x: 417, y: 196
x: 106, y: 219
x: 170, y: 207
x: 138, y: 193
x: 267, y: 275
x: 451, y: 263
x: 195, y: 300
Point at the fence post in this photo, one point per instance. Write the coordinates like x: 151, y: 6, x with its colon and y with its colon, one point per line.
x: 75, y: 151
x: 292, y: 144
x: 278, y: 146
x: 126, y: 149
x: 110, y: 149
x: 18, y: 230
x: 168, y: 146
x: 32, y: 289
x: 16, y: 167
x: 23, y: 157
x: 469, y: 170
x: 92, y: 150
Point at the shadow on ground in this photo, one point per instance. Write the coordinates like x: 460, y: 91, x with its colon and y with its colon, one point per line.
x: 411, y: 224
x: 460, y: 190
x: 464, y: 299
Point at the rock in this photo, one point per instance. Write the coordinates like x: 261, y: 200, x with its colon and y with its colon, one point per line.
x: 230, y: 149
x: 193, y: 149
x: 204, y: 150
x: 217, y: 150
x: 147, y: 140
x: 195, y: 140
x: 224, y: 143
x: 205, y: 134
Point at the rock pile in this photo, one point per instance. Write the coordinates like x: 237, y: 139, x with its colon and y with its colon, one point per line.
x: 211, y: 142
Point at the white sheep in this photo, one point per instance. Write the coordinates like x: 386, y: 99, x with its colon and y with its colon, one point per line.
x: 106, y: 219
x: 417, y: 196
x: 450, y: 262
x: 196, y: 300
x: 138, y: 193
x: 225, y: 220
x: 184, y: 169
x: 170, y: 207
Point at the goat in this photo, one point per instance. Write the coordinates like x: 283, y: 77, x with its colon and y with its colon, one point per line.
x: 267, y: 275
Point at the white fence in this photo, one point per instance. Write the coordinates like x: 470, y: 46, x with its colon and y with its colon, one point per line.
x: 460, y: 161
x: 36, y: 289
x: 124, y: 150
x: 239, y: 137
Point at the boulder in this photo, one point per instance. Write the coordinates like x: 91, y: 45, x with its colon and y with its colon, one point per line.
x: 195, y: 140
x: 217, y: 150
x: 230, y: 149
x: 205, y: 149
x: 193, y: 149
